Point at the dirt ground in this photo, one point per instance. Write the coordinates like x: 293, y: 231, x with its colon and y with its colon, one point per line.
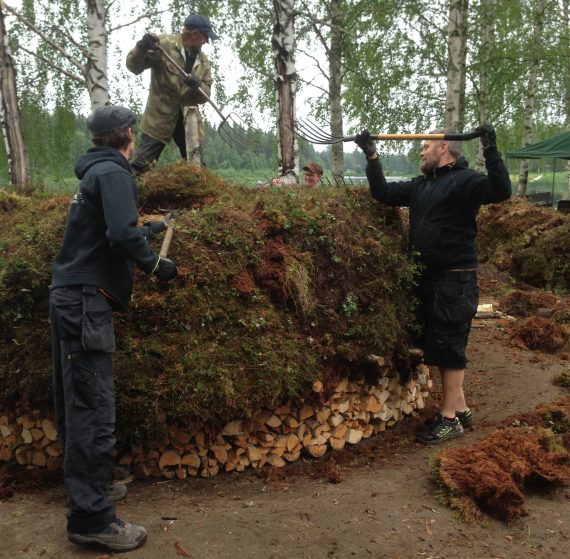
x: 373, y: 500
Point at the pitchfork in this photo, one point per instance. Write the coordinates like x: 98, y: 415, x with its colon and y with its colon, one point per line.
x: 310, y: 132
x: 232, y: 128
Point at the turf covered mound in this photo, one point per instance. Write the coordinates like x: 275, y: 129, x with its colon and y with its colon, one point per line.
x: 276, y: 288
x: 492, y: 476
x: 532, y: 243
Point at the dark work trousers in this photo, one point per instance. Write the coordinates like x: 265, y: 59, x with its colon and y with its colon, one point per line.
x: 150, y: 149
x: 83, y: 341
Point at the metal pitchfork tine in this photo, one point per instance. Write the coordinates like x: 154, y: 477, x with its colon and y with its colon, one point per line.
x: 232, y: 128
x: 310, y: 132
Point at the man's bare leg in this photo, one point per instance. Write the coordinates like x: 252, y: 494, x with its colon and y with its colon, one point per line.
x: 453, y: 399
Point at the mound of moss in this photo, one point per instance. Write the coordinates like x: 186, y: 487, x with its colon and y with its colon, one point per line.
x: 493, y: 476
x: 276, y: 287
x: 532, y: 243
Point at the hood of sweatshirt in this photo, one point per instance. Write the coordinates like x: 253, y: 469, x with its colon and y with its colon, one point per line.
x: 98, y: 155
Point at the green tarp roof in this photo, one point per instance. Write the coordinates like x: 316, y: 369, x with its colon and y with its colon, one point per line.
x: 555, y: 147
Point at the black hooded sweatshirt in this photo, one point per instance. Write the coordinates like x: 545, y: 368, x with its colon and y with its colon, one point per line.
x: 444, y: 207
x: 102, y: 241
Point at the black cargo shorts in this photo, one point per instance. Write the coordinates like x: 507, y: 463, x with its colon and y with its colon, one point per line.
x: 448, y: 303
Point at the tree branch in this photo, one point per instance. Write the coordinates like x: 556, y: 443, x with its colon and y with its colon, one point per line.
x: 55, y: 66
x: 70, y: 38
x: 142, y: 16
x: 49, y: 41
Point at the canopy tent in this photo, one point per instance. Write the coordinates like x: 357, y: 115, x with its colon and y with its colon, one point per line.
x: 557, y: 147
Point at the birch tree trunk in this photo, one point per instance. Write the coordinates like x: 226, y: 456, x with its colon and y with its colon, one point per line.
x: 10, y: 121
x: 95, y: 69
x: 528, y: 115
x: 456, y: 41
x: 488, y: 18
x: 283, y: 45
x: 335, y: 82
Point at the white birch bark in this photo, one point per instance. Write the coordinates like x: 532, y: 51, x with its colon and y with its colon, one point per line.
x: 488, y: 18
x: 335, y: 82
x: 283, y: 45
x: 528, y: 114
x: 191, y: 127
x: 10, y: 122
x: 456, y: 41
x: 95, y: 68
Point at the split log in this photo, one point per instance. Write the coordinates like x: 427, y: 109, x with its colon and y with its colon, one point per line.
x: 233, y: 428
x: 190, y: 459
x: 169, y: 458
x: 49, y: 429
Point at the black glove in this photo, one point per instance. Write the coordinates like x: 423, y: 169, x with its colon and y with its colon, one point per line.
x: 148, y: 42
x: 166, y: 270
x: 193, y: 81
x: 155, y: 226
x: 365, y: 142
x: 488, y: 135
x: 151, y: 228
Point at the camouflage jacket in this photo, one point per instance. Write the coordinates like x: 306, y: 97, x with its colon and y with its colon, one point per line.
x: 168, y: 93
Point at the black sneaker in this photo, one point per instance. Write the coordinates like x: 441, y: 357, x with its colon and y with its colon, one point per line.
x: 118, y: 536
x: 432, y: 421
x: 466, y: 417
x: 441, y: 431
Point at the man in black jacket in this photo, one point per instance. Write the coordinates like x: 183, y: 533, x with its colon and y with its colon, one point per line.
x: 93, y: 275
x: 444, y: 202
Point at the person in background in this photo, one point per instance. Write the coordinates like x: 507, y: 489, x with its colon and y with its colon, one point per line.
x: 313, y: 174
x: 170, y: 92
x: 91, y: 276
x: 444, y: 202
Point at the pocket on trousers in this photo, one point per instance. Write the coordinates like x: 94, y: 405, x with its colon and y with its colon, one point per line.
x: 97, y: 332
x: 85, y: 387
x: 452, y: 339
x: 455, y: 302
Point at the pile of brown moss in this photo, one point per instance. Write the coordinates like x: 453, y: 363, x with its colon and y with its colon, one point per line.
x: 492, y: 476
x: 276, y: 287
x: 532, y: 243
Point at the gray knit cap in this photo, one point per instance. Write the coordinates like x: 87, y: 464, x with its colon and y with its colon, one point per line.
x: 108, y: 118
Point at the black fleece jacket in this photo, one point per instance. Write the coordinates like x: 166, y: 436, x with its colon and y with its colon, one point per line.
x: 102, y: 241
x: 444, y: 207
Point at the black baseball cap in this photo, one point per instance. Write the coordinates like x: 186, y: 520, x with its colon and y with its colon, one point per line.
x: 202, y: 24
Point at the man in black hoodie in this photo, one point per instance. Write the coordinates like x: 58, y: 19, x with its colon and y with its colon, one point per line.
x: 93, y: 275
x: 444, y: 202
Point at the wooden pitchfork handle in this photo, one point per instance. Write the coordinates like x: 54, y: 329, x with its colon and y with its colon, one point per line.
x: 449, y: 137
x: 184, y: 74
x: 166, y: 241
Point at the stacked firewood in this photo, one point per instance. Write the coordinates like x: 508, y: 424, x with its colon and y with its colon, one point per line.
x: 30, y: 439
x: 274, y: 436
